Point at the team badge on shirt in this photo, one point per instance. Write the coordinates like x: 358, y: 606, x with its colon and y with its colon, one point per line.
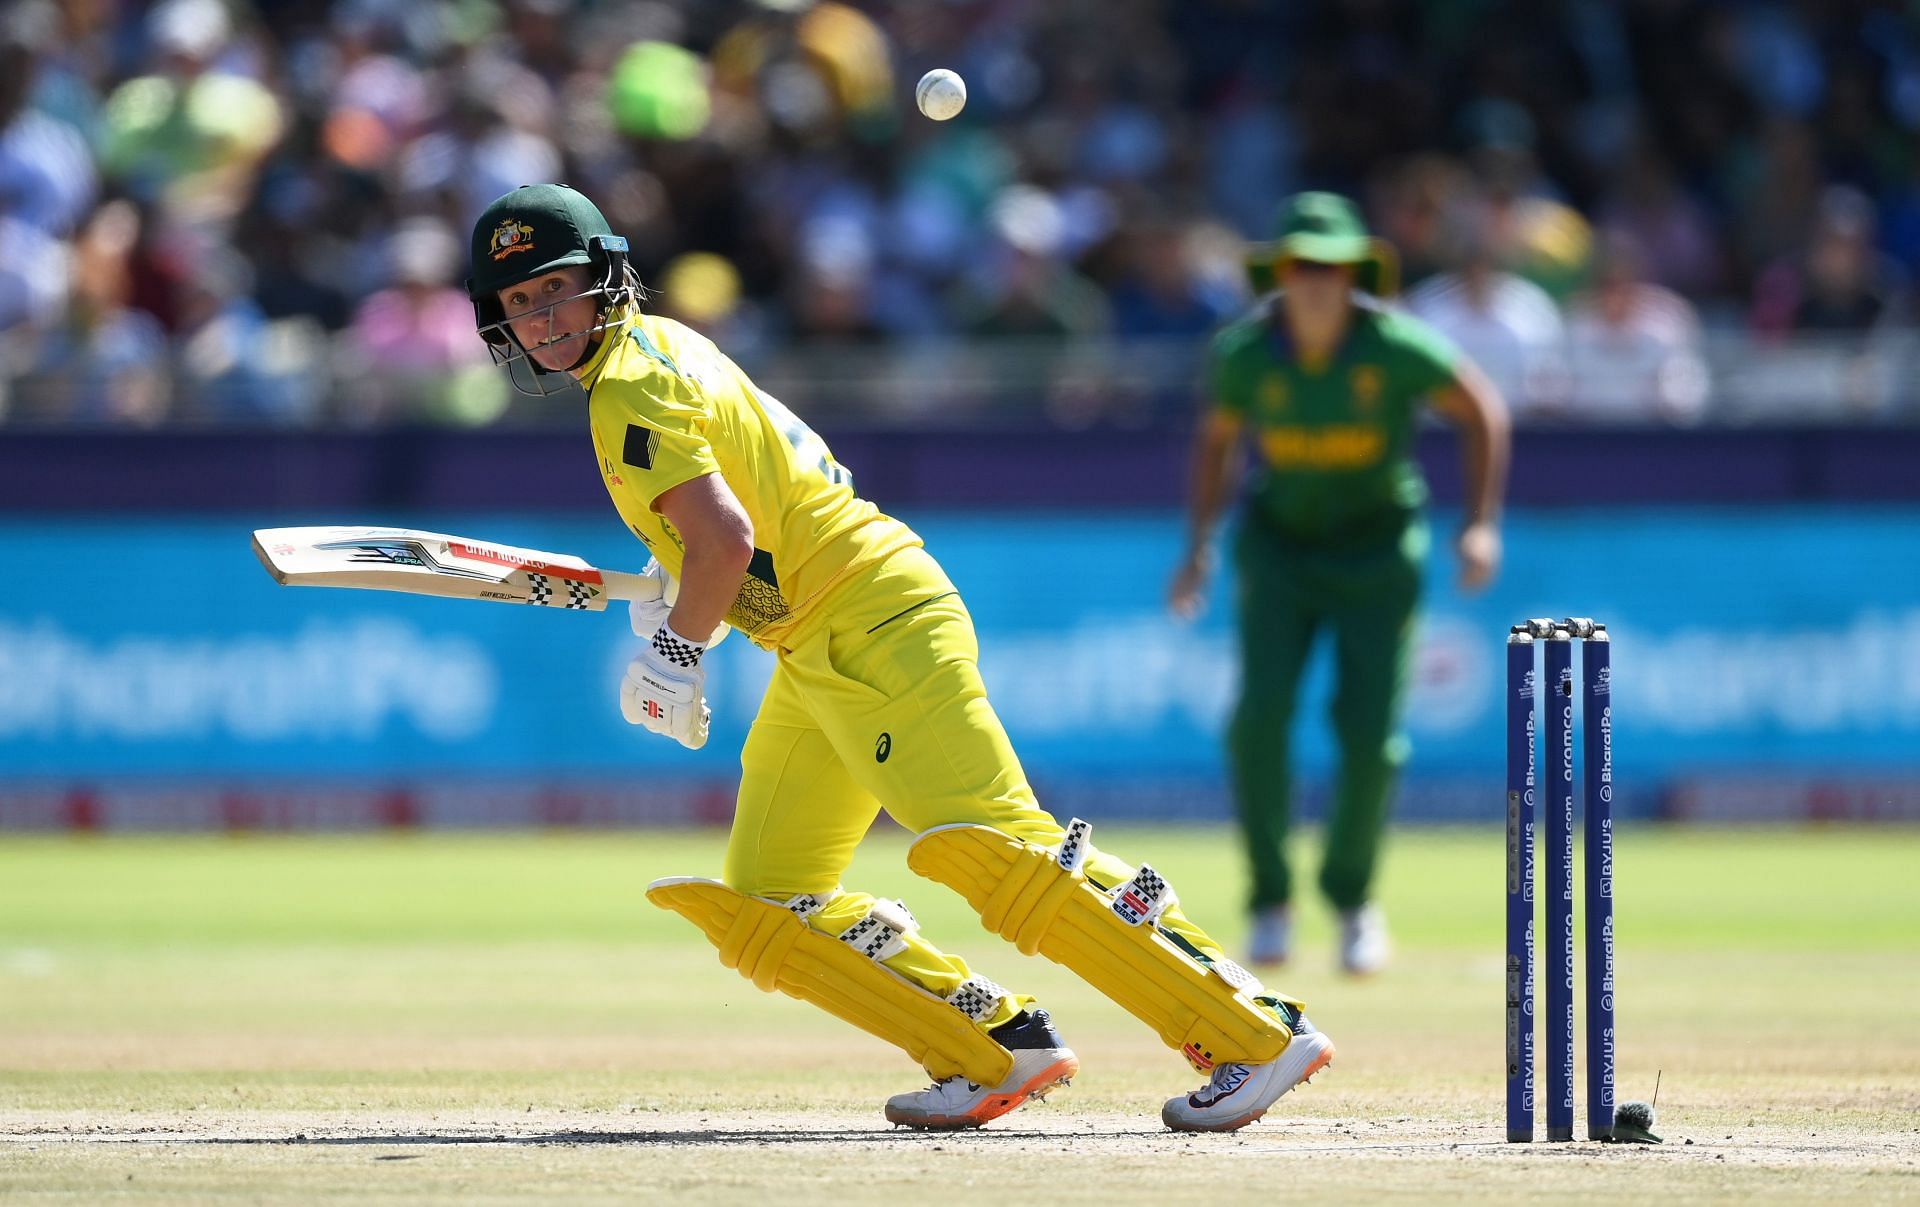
x: 640, y: 446
x: 511, y: 236
x: 1366, y: 382
x: 1273, y: 394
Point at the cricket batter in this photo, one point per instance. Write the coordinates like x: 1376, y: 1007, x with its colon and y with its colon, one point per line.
x: 1325, y: 382
x: 876, y: 699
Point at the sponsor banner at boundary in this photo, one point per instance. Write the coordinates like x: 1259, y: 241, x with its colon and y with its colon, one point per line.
x: 1794, y: 797
x: 1765, y: 647
x: 277, y: 805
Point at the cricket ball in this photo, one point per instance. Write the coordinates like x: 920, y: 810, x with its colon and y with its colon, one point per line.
x: 941, y: 94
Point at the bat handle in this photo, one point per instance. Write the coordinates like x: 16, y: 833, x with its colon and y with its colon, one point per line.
x: 646, y: 587
x: 621, y: 585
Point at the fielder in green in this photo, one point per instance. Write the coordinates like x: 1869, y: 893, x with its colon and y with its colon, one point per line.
x: 1324, y: 380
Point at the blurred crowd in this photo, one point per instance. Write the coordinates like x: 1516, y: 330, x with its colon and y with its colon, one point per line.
x: 256, y: 210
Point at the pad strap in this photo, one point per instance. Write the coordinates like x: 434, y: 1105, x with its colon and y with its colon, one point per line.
x: 882, y: 934
x: 1072, y: 852
x: 977, y: 998
x: 1243, y: 982
x: 806, y: 905
x: 1143, y: 898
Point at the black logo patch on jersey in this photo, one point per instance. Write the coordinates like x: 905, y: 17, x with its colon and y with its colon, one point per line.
x: 761, y: 567
x: 641, y: 444
x: 882, y: 748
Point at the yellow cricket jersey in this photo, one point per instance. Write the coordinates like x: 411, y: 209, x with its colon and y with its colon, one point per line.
x: 666, y: 407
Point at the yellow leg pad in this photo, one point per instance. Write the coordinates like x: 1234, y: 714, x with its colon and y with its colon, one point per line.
x: 776, y: 950
x: 1023, y: 894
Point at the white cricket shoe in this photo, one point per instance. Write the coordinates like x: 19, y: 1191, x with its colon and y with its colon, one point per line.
x: 1270, y: 940
x: 1041, y: 1063
x: 1237, y: 1094
x: 1363, y: 941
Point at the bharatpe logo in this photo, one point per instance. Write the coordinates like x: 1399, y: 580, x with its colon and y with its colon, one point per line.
x: 1606, y: 754
x: 1527, y: 1001
x: 348, y: 684
x: 1606, y: 972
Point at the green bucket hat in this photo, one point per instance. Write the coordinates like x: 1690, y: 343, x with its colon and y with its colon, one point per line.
x: 1326, y: 229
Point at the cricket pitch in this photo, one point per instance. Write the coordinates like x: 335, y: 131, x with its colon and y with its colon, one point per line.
x: 502, y: 1017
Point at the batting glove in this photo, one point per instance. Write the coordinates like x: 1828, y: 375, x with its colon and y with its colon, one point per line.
x: 665, y: 690
x: 649, y: 616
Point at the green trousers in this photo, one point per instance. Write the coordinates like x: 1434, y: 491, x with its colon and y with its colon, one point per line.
x: 1366, y: 599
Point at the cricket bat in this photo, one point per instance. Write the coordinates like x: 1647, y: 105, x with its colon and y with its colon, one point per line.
x: 433, y: 563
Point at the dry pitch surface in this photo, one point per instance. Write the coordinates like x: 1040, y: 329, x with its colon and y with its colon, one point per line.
x: 502, y: 1018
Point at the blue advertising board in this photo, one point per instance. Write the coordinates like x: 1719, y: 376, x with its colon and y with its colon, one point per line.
x: 1746, y: 641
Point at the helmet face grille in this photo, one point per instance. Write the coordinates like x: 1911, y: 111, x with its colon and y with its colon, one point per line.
x: 618, y: 289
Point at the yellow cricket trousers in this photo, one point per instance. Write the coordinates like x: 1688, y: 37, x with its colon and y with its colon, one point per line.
x: 882, y: 704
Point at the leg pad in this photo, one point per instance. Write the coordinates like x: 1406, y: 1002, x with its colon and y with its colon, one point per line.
x: 771, y: 944
x: 1027, y: 894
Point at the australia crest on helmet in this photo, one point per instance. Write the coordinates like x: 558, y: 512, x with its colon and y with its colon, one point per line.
x: 512, y: 235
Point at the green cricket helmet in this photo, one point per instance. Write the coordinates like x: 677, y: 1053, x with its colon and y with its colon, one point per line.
x: 530, y: 232
x: 1324, y: 228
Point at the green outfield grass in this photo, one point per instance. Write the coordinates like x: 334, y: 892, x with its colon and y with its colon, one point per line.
x: 425, y: 1016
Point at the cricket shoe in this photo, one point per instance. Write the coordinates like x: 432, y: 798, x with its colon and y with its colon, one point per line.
x: 1237, y: 1094
x: 1270, y: 940
x: 1363, y: 941
x: 1041, y: 1062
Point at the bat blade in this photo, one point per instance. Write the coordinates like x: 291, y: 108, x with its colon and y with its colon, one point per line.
x: 435, y: 563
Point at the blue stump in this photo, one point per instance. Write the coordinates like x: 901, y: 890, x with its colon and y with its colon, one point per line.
x: 1520, y: 880
x: 1596, y: 681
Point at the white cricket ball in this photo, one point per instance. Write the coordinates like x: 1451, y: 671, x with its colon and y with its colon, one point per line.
x: 941, y: 94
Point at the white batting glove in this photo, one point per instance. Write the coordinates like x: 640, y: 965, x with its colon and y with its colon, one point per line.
x: 665, y: 690
x: 649, y: 616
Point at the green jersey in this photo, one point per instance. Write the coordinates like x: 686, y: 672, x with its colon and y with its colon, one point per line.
x: 1335, y: 441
